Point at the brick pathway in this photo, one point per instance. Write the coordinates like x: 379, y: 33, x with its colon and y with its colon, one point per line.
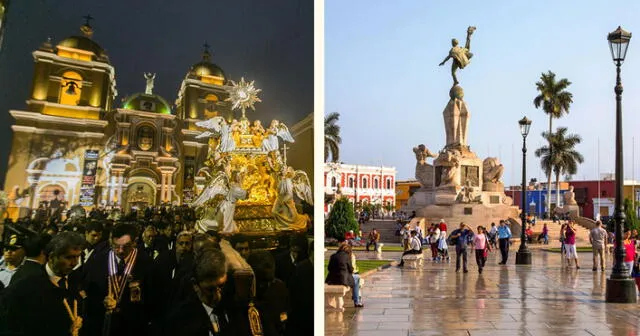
x: 544, y: 299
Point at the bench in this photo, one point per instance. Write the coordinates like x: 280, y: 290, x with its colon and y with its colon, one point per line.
x: 334, y: 297
x: 413, y: 260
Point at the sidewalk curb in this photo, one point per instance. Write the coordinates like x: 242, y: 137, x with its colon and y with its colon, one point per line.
x: 379, y: 268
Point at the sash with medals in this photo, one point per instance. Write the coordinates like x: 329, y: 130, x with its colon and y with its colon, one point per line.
x: 117, y: 282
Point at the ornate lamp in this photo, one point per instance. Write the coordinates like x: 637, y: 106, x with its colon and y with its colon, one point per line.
x: 618, y: 43
x: 620, y: 286
x: 525, y: 125
x: 523, y: 256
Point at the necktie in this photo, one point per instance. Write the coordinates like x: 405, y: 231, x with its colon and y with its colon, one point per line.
x: 121, y: 266
x: 62, y: 283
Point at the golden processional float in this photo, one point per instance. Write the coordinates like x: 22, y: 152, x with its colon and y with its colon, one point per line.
x: 251, y: 190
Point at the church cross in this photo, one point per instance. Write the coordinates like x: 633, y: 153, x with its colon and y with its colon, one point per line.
x: 87, y: 19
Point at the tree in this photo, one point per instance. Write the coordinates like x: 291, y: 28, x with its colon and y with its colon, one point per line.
x: 564, y: 159
x: 341, y: 219
x: 332, y: 139
x: 555, y: 102
x: 631, y: 220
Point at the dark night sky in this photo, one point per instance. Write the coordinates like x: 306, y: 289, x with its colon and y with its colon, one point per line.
x: 270, y: 42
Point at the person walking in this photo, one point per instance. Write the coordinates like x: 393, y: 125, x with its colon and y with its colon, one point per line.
x: 481, y: 247
x: 570, y: 243
x: 442, y: 242
x: 433, y: 241
x: 492, y: 235
x: 598, y: 240
x: 545, y: 234
x: 461, y: 236
x: 504, y: 235
x: 630, y: 249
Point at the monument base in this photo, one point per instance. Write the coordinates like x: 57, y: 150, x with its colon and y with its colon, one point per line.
x: 471, y: 213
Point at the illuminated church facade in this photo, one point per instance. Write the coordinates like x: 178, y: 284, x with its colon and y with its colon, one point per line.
x: 72, y: 141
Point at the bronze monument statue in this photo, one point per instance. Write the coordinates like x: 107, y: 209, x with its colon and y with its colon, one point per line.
x: 461, y: 56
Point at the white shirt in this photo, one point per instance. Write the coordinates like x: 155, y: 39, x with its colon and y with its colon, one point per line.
x: 415, y: 244
x: 213, y: 317
x: 53, y: 277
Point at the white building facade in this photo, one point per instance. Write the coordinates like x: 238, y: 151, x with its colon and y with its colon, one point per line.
x: 361, y: 184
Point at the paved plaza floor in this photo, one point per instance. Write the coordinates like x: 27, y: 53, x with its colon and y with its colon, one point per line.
x: 543, y: 299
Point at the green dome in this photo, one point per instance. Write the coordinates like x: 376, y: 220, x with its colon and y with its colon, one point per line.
x: 147, y: 103
x: 82, y: 43
x: 206, y: 68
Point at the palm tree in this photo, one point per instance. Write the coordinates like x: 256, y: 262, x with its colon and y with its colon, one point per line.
x: 332, y: 138
x: 564, y: 159
x: 555, y: 102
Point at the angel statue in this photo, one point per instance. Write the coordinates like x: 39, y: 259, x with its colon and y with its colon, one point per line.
x: 225, y: 193
x: 218, y: 127
x: 275, y: 130
x: 284, y: 208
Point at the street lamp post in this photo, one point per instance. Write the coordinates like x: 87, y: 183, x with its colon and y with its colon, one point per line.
x: 523, y: 256
x: 620, y: 287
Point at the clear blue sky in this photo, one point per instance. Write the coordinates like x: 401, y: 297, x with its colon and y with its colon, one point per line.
x: 382, y: 76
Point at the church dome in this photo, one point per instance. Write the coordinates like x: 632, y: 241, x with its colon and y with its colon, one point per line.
x: 206, y: 68
x: 147, y: 102
x: 82, y: 43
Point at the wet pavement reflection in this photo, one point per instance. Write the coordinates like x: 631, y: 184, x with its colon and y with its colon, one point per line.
x: 546, y: 298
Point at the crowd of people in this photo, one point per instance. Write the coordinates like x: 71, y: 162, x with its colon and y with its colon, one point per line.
x: 148, y: 273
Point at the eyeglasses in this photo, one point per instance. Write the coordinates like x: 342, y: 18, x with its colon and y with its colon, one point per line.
x: 123, y: 247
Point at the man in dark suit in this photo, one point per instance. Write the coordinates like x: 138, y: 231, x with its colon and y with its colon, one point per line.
x: 119, y: 282
x: 147, y: 244
x: 286, y: 262
x: 169, y: 269
x: 36, y: 305
x: 164, y: 240
x: 301, y: 292
x: 35, y: 258
x: 272, y: 296
x: 200, y: 313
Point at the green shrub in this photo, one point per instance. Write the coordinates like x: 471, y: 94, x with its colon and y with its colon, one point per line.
x: 341, y: 219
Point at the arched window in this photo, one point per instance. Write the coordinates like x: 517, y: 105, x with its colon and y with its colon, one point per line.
x: 351, y: 182
x: 70, y: 88
x: 364, y: 183
x: 388, y: 184
x: 375, y: 183
x: 333, y: 181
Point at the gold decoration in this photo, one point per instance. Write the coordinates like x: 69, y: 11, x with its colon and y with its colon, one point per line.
x: 254, y: 320
x: 251, y: 158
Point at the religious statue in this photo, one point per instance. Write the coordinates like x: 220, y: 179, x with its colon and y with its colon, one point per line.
x: 461, y: 56
x: 275, y: 130
x: 257, y: 133
x: 219, y: 128
x: 284, y: 208
x: 149, y: 77
x: 492, y: 170
x: 223, y: 193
